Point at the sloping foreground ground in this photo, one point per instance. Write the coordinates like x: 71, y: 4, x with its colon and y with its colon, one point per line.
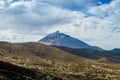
x: 29, y: 61
x: 13, y: 72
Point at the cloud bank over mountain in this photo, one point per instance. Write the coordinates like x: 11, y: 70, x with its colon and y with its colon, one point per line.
x: 96, y: 22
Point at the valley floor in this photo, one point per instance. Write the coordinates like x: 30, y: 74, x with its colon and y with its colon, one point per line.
x: 57, y: 70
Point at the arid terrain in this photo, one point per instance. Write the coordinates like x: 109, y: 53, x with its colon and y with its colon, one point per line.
x: 34, y: 61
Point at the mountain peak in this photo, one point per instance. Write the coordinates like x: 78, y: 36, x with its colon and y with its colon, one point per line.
x: 60, y: 39
x: 57, y: 32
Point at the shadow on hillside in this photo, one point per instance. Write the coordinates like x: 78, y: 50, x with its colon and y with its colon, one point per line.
x: 13, y: 72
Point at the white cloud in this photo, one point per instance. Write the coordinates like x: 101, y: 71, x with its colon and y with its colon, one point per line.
x: 73, y: 4
x: 107, y: 9
x: 32, y: 19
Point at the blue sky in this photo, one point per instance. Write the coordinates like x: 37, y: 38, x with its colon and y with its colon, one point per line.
x: 96, y: 22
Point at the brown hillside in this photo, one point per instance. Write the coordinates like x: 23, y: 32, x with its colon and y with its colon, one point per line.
x: 49, y: 52
x: 36, y: 49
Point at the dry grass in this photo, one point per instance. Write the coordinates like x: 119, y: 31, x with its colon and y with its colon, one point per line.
x: 59, y: 63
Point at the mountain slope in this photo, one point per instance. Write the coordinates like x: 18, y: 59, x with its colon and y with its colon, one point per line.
x: 7, y: 48
x: 33, y: 49
x: 61, y: 39
x: 48, y: 52
x: 111, y: 56
x: 116, y: 50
